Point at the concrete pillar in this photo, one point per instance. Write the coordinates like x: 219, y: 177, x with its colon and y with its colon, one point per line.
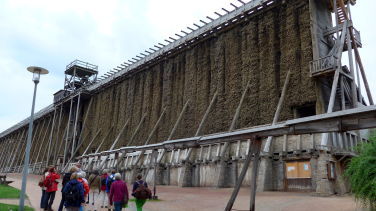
x: 323, y: 185
x: 264, y: 178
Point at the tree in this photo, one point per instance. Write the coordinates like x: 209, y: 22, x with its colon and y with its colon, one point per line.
x: 361, y: 173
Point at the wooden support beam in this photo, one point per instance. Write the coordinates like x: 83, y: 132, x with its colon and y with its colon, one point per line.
x: 50, y: 138
x: 120, y: 133
x: 67, y: 132
x: 235, y: 119
x: 354, y: 93
x: 67, y: 164
x: 56, y: 143
x: 251, y: 152
x: 178, y: 120
x: 20, y: 141
x: 84, y: 120
x: 204, y: 118
x: 257, y: 146
x: 13, y: 148
x: 104, y: 139
x: 42, y: 142
x: 359, y: 61
x: 75, y: 125
x: 58, y: 150
x: 137, y: 129
x: 90, y: 143
x: 324, y: 139
x: 77, y: 113
x: 279, y: 109
x: 120, y: 159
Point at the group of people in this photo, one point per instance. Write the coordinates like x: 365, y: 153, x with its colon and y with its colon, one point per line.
x: 107, y: 189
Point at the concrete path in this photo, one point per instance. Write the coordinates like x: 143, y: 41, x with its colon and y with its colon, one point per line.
x: 210, y: 199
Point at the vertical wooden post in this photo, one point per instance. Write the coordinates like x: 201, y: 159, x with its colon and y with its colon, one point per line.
x: 257, y: 146
x: 50, y: 138
x: 67, y: 132
x: 75, y: 124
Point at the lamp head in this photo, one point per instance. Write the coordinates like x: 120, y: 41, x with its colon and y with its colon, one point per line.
x: 37, y: 71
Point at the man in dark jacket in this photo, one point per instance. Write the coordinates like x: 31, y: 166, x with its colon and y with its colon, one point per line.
x: 66, y: 179
x: 73, y: 199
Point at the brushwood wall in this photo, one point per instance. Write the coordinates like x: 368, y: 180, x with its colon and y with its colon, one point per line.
x: 260, y: 50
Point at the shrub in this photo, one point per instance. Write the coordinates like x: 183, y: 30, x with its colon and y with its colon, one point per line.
x: 361, y: 173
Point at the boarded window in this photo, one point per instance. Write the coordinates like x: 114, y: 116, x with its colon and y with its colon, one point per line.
x: 331, y: 170
x: 298, y: 169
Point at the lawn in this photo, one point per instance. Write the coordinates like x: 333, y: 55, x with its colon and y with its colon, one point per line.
x: 8, y: 192
x: 9, y: 207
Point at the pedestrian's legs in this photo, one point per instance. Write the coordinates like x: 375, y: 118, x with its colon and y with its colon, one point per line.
x: 140, y: 203
x: 51, y: 199
x: 61, y: 206
x: 72, y: 208
x: 46, y: 199
x: 118, y: 206
x: 42, y: 203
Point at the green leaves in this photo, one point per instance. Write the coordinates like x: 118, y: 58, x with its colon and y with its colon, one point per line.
x: 361, y: 173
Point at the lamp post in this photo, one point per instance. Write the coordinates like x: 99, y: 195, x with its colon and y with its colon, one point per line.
x: 37, y: 71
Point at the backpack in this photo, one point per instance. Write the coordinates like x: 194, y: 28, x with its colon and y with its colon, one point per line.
x: 142, y: 192
x: 110, y: 180
x: 103, y: 181
x: 72, y: 196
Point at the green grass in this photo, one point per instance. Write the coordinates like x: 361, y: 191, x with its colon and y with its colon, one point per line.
x: 9, y: 207
x: 8, y: 192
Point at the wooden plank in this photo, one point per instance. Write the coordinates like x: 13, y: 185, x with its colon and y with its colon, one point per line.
x: 77, y: 113
x: 67, y: 132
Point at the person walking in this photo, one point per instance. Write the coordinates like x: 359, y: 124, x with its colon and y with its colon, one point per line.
x: 141, y: 192
x: 118, y: 193
x: 41, y: 184
x: 66, y: 178
x: 83, y: 181
x: 51, y: 184
x: 94, y: 185
x: 103, y: 194
x: 74, y: 194
x: 110, y: 179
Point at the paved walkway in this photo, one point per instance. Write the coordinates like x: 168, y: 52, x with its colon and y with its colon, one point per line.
x: 210, y: 199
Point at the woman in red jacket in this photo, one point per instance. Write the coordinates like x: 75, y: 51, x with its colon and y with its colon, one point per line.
x: 51, y: 187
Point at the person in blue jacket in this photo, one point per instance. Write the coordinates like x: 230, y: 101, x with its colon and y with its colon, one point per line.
x: 74, y: 194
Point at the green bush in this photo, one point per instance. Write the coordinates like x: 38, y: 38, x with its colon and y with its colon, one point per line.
x: 361, y: 173
x: 8, y: 192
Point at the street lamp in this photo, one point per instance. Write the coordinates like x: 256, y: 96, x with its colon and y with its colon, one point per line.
x: 37, y: 71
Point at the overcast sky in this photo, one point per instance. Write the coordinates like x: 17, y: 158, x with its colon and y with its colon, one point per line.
x: 51, y: 34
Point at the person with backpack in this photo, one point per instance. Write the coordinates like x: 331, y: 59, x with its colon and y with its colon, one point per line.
x: 102, y: 194
x: 110, y: 179
x: 51, y: 184
x: 95, y: 185
x: 66, y: 179
x: 74, y: 194
x: 41, y: 184
x: 83, y: 181
x: 119, y: 195
x: 141, y: 192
